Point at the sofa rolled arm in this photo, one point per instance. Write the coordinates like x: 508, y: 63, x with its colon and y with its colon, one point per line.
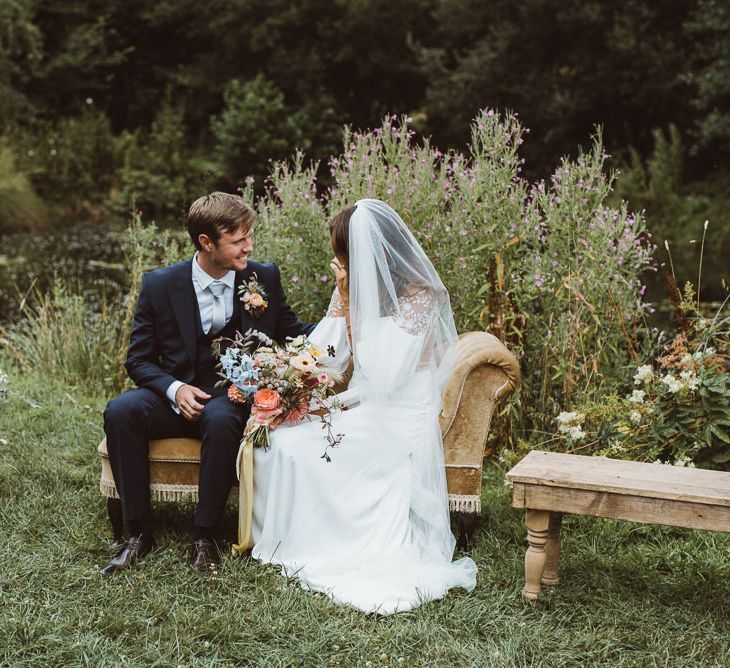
x: 477, y: 349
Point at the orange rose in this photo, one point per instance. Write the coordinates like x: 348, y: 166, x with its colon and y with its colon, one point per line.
x: 267, y: 400
x: 266, y: 405
x: 256, y: 300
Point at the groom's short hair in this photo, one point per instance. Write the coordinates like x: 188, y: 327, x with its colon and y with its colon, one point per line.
x: 216, y: 213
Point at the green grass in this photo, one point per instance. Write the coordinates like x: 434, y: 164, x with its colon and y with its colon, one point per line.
x: 631, y: 595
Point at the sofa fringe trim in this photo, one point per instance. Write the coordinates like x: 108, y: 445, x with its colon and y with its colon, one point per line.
x: 465, y: 503
x: 108, y: 489
x: 160, y: 492
x: 173, y: 493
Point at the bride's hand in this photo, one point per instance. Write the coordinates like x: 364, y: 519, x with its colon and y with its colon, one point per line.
x: 340, y: 277
x: 343, y: 290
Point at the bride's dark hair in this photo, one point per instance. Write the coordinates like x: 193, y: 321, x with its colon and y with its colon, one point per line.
x: 340, y: 236
x: 339, y: 228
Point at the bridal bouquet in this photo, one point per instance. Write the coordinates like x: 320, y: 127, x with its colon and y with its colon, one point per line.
x: 283, y: 384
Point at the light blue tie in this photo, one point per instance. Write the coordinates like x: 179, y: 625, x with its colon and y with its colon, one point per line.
x: 219, y: 306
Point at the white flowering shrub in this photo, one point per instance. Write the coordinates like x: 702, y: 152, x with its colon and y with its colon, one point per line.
x: 570, y: 425
x: 677, y: 412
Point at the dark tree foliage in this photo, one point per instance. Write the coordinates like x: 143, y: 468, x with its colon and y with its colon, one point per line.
x: 633, y: 66
x: 20, y: 52
x: 565, y: 67
x: 709, y: 75
x: 82, y: 52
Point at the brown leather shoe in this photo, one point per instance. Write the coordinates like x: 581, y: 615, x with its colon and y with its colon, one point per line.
x: 132, y: 551
x: 204, y: 556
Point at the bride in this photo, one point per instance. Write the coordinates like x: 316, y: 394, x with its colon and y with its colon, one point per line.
x: 371, y: 528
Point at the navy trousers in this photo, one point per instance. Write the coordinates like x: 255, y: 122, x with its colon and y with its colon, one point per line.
x: 136, y: 417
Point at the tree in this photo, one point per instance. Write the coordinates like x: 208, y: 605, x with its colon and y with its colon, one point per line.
x: 81, y: 53
x: 564, y: 68
x: 20, y: 53
x: 255, y: 122
x: 709, y: 74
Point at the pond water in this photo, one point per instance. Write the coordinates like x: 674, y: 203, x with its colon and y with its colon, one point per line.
x: 87, y: 257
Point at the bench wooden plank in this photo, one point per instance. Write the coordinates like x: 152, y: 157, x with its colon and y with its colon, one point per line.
x: 601, y: 474
x: 641, y: 509
x: 549, y: 484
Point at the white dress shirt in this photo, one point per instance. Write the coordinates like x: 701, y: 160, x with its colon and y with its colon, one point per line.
x: 201, y: 281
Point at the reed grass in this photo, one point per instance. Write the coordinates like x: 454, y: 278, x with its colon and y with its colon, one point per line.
x: 62, y: 337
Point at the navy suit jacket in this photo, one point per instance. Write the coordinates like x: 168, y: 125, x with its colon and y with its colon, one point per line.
x: 163, y: 343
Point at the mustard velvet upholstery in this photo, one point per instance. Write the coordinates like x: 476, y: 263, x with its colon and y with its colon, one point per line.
x: 485, y: 373
x: 174, y: 466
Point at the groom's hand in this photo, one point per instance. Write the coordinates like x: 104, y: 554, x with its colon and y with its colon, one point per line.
x: 186, y: 399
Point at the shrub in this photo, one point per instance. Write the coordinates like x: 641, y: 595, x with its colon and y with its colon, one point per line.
x: 677, y: 411
x: 159, y: 173
x: 20, y: 207
x: 552, y: 269
x: 676, y: 209
x: 73, y: 161
x: 255, y: 121
x: 291, y: 230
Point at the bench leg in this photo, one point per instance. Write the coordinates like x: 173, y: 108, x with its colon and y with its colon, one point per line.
x: 537, y: 532
x: 114, y: 510
x: 552, y: 550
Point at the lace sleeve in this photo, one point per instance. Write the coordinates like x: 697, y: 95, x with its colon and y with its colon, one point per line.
x: 415, y: 311
x: 336, y: 309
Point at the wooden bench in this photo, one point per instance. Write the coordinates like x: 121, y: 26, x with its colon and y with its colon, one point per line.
x: 548, y: 484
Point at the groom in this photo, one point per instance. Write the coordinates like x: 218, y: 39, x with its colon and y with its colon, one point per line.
x: 181, y: 310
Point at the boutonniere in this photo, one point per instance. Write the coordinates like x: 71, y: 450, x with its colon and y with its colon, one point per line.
x: 253, y: 296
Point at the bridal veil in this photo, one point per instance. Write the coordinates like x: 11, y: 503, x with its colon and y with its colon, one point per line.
x: 403, y: 335
x: 371, y: 529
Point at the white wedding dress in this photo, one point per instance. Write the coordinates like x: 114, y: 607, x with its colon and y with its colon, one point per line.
x: 370, y: 528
